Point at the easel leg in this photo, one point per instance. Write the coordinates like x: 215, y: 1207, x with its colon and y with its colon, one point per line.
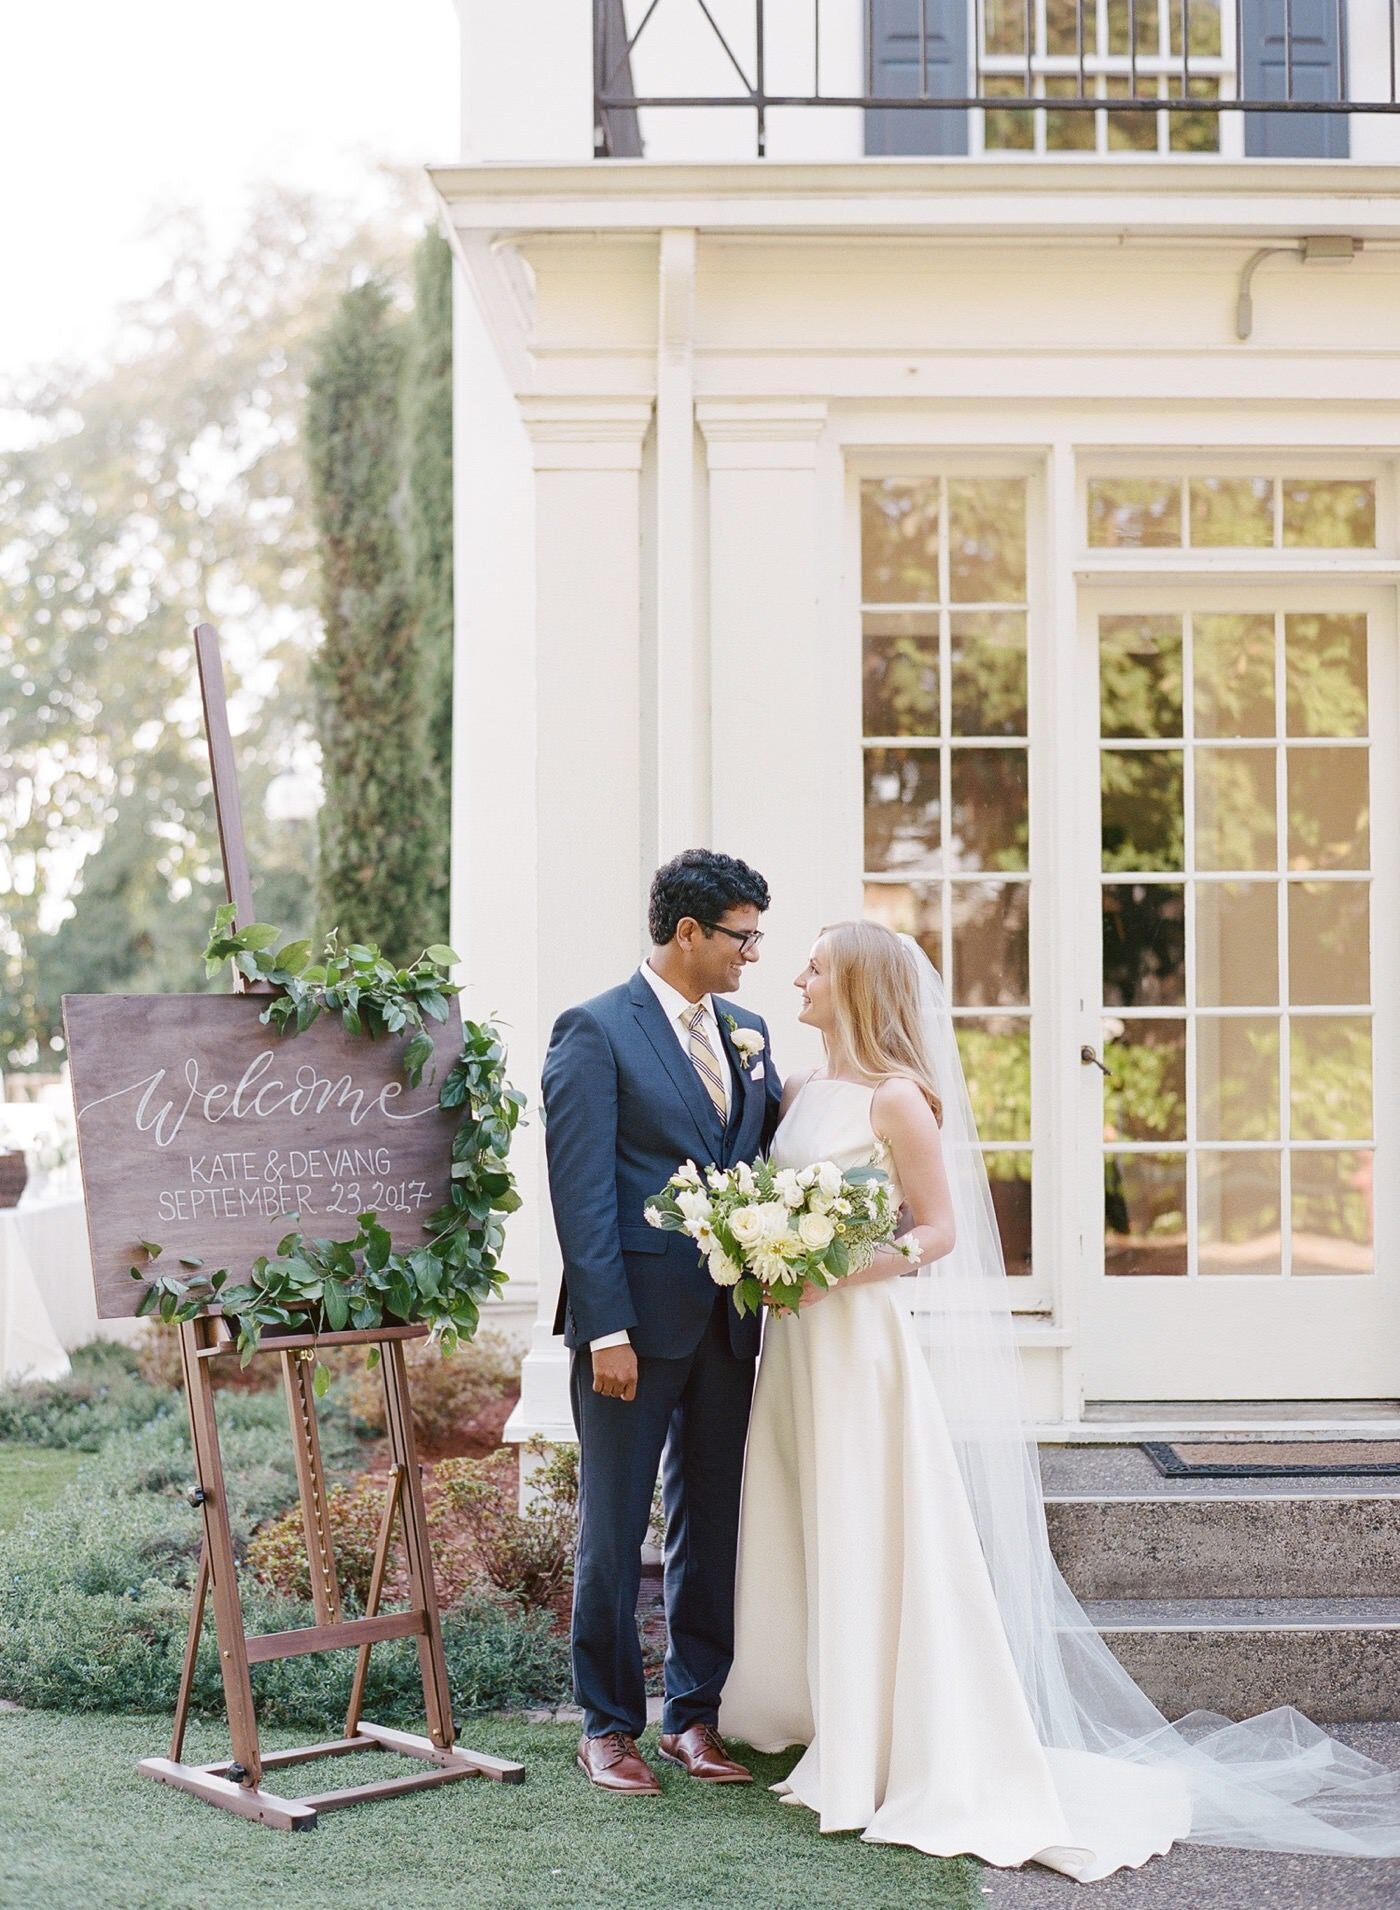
x: 218, y: 1539
x: 376, y: 1587
x: 182, y: 1702
x: 311, y: 1486
x: 437, y: 1697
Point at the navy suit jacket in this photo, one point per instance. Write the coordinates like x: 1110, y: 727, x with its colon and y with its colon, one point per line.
x: 623, y: 1108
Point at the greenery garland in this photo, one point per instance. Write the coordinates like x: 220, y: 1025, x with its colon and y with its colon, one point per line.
x: 328, y: 1285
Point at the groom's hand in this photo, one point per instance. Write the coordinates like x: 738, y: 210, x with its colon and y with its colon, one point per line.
x: 615, y: 1372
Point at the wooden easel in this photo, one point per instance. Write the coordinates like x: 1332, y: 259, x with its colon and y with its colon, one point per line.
x: 235, y: 1784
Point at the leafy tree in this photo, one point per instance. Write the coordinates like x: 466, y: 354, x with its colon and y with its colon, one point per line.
x: 375, y: 862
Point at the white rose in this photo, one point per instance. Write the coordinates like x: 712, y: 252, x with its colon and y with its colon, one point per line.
x: 829, y: 1179
x: 816, y: 1232
x: 748, y: 1041
x: 748, y: 1226
x: 694, y: 1204
x: 789, y: 1187
x: 807, y: 1176
x: 724, y: 1271
x: 774, y: 1215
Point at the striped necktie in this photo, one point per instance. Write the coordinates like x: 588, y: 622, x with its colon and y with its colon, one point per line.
x: 706, y: 1065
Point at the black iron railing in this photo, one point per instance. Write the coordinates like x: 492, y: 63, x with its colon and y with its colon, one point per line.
x: 1027, y: 71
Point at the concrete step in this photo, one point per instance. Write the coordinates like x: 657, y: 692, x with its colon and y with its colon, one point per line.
x: 1334, y: 1658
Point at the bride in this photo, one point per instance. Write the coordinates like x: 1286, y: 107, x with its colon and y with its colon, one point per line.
x: 898, y: 1610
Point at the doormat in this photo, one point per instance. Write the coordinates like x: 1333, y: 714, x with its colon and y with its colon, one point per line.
x: 1277, y: 1459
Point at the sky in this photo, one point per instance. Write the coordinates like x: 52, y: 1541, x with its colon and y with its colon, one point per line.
x: 111, y: 110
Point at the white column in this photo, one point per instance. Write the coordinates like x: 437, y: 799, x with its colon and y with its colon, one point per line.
x: 682, y: 734
x: 585, y: 878
x: 784, y: 683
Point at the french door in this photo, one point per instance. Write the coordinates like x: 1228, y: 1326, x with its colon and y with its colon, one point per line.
x: 1238, y: 758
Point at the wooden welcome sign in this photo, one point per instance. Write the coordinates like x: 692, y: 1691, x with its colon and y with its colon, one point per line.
x: 210, y: 1135
x: 204, y: 1132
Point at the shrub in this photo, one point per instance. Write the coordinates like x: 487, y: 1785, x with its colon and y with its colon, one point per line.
x: 278, y: 1557
x: 449, y: 1391
x: 529, y: 1553
x: 102, y: 1395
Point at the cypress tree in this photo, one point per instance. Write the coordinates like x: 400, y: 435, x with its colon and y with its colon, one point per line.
x: 376, y: 862
x: 427, y: 428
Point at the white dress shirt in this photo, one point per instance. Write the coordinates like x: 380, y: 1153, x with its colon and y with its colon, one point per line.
x: 678, y: 1011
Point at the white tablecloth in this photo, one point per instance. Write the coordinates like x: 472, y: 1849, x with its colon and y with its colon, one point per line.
x: 46, y: 1303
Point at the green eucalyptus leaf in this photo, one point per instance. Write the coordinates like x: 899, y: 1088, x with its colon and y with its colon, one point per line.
x: 321, y: 1380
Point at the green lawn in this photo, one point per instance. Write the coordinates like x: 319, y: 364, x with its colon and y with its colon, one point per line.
x: 32, y: 1476
x: 77, y: 1825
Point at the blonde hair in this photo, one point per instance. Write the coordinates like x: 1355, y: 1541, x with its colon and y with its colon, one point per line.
x: 875, y: 1001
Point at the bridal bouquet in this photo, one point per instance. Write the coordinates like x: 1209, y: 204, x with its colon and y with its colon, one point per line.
x: 772, y: 1232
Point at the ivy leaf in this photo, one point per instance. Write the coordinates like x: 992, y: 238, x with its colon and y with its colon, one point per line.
x: 293, y: 957
x: 442, y: 955
x: 416, y: 1056
x: 258, y: 935
x: 337, y: 1306
x: 321, y: 1380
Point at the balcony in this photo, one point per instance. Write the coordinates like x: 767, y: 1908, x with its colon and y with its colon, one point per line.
x: 1233, y: 79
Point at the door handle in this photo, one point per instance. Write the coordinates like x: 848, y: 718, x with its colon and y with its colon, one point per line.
x: 1090, y: 1058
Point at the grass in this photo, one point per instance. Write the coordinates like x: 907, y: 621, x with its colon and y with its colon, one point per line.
x: 32, y: 1477
x: 77, y: 1825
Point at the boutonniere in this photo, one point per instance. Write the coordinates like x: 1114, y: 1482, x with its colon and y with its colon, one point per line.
x: 748, y: 1042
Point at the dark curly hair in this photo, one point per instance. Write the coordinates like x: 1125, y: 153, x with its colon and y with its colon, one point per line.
x: 703, y: 884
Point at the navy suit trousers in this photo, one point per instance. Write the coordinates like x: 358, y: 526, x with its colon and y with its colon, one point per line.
x: 689, y: 1419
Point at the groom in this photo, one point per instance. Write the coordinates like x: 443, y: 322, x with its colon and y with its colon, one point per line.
x: 650, y: 1074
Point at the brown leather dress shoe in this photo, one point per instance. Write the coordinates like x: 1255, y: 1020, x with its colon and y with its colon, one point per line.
x: 614, y: 1763
x: 700, y: 1753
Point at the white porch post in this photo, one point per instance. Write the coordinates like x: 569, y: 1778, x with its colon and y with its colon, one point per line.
x: 588, y: 876
x: 785, y: 792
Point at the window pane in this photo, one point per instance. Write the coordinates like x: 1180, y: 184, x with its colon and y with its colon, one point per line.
x: 1009, y: 1177
x: 1004, y: 128
x: 909, y: 908
x: 991, y: 943
x: 1142, y: 818
x: 1067, y: 132
x: 1131, y: 132
x: 1236, y: 826
x: 1134, y: 513
x: 1237, y: 1213
x: 902, y: 816
x: 1144, y: 945
x: 1065, y: 20
x: 1195, y: 132
x: 988, y: 649
x: 1236, y: 944
x: 1329, y: 809
x: 1144, y: 1213
x: 1140, y: 676
x: 1333, y: 1212
x: 1329, y: 943
x: 901, y: 675
x: 996, y: 1058
x: 987, y: 540
x: 1130, y: 20
x: 1232, y: 511
x: 1145, y: 1100
x: 990, y: 822
x: 1237, y: 1078
x: 899, y: 540
x: 1330, y: 1076
x: 1205, y: 27
x: 1328, y: 513
x: 1233, y: 667
x: 1004, y: 26
x: 1326, y: 674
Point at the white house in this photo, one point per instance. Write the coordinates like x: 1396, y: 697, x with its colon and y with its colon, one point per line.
x: 985, y: 517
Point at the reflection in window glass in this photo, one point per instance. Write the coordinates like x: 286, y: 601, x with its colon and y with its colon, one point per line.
x: 990, y: 826
x: 1134, y: 513
x: 909, y: 908
x: 991, y: 944
x: 1142, y: 818
x: 1144, y: 944
x: 1329, y: 809
x: 987, y: 540
x: 902, y: 812
x: 1237, y: 1069
x: 899, y: 540
x: 1233, y: 668
x: 996, y: 1058
x: 1330, y: 513
x: 1329, y: 943
x: 1145, y: 1213
x: 1333, y: 1211
x: 1140, y: 676
x: 1236, y: 512
x: 1236, y: 824
x: 1237, y: 1210
x: 988, y: 672
x: 1236, y: 944
x: 1325, y: 660
x: 1145, y: 1098
x: 901, y: 674
x: 1009, y: 1177
x: 1330, y: 1077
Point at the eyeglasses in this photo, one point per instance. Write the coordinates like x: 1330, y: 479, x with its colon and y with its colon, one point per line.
x: 748, y: 939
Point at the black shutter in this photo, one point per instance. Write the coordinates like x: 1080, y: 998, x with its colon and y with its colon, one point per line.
x: 1316, y: 57
x: 894, y: 74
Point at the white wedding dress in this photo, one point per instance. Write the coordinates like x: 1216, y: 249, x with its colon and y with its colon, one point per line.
x: 867, y: 1627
